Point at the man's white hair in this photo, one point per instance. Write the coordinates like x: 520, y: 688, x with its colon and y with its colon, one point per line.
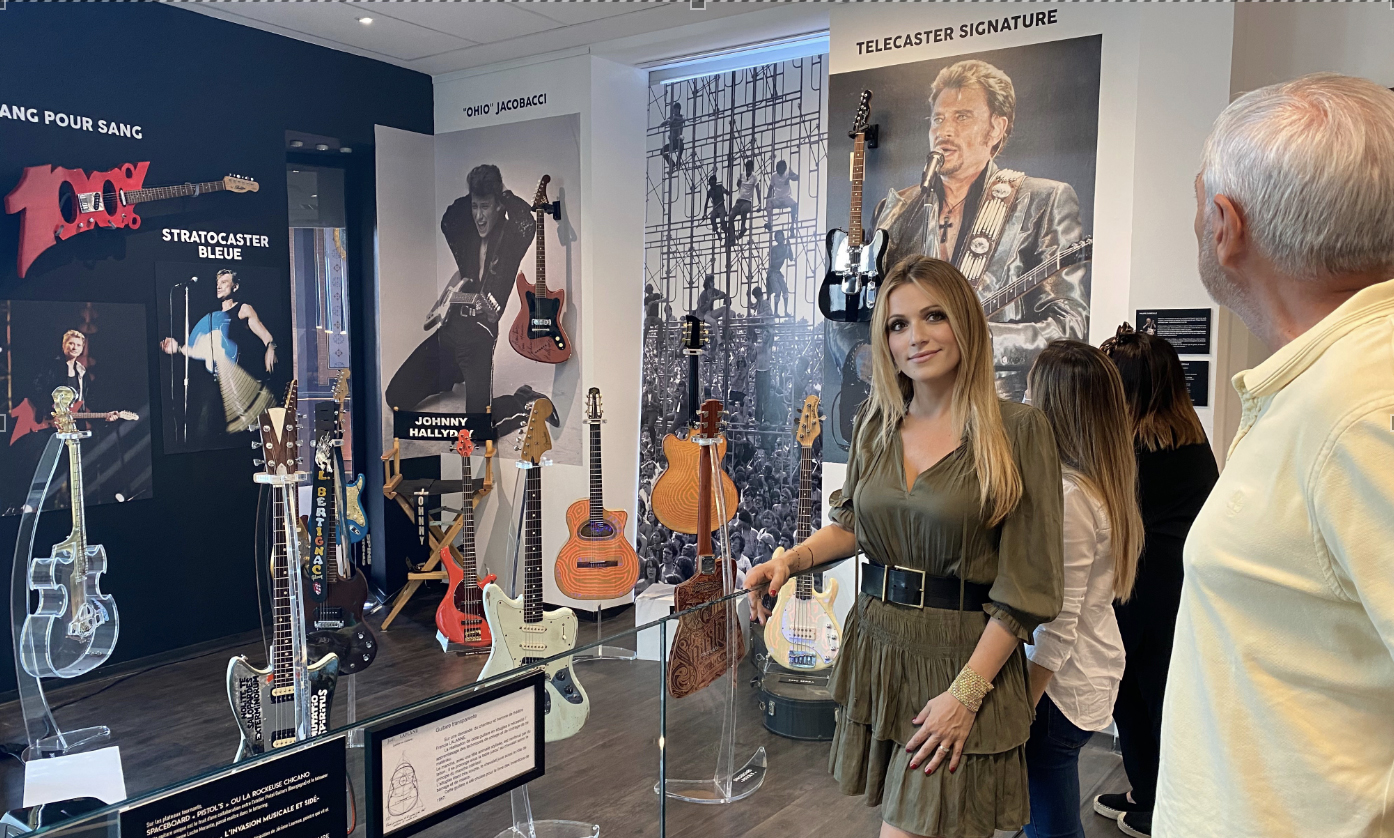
x: 1310, y: 162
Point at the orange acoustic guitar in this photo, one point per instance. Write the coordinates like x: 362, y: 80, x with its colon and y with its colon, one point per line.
x: 674, y: 498
x: 460, y: 616
x: 597, y: 561
x: 701, y: 647
x: 537, y: 333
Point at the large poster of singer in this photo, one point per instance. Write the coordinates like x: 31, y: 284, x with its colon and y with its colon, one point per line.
x: 224, y: 351
x: 98, y: 350
x: 464, y: 361
x: 734, y: 236
x: 1018, y: 132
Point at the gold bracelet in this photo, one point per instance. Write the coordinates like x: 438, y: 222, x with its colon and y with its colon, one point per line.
x: 970, y: 688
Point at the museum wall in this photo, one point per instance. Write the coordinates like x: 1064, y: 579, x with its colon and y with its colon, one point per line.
x: 196, y: 99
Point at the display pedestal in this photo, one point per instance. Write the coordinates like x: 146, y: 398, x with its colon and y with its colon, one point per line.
x: 525, y: 827
x: 602, y: 652
x: 43, y: 736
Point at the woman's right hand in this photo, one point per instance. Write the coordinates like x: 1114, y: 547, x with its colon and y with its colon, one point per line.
x: 764, y: 578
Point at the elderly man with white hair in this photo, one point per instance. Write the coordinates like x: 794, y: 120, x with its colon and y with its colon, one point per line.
x: 1279, y: 713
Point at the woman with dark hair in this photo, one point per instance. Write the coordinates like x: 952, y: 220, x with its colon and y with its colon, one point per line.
x: 1176, y: 471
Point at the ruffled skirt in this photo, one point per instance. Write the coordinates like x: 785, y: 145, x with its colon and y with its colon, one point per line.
x: 893, y: 660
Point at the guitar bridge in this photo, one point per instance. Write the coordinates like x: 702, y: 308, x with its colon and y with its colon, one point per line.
x: 90, y: 202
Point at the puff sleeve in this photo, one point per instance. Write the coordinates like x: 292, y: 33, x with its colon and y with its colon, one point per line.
x: 1028, y: 590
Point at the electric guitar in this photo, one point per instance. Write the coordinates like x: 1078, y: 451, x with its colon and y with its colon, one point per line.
x: 674, y: 499
x: 289, y: 700
x: 701, y: 647
x: 597, y: 561
x: 1073, y: 254
x: 53, y: 213
x: 537, y: 332
x: 803, y: 633
x: 27, y: 418
x: 855, y: 266
x: 335, y: 622
x: 523, y: 633
x: 460, y: 616
x: 74, y: 628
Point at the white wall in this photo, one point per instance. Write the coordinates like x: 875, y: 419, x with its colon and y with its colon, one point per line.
x: 1275, y: 42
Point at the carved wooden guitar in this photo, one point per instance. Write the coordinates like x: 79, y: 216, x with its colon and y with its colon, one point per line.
x: 701, y: 652
x: 537, y: 332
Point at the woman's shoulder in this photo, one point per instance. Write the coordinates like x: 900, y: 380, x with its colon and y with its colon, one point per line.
x: 1020, y: 418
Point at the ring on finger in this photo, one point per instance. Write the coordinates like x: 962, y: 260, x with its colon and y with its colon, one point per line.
x: 945, y: 749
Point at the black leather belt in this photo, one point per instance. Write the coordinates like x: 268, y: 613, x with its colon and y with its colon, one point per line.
x: 915, y: 588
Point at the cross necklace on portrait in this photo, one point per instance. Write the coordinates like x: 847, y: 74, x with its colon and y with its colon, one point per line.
x: 950, y: 219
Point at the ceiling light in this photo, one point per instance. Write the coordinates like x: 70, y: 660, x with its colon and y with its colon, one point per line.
x: 316, y: 195
x: 365, y: 20
x: 322, y: 147
x: 297, y: 143
x: 345, y: 150
x: 295, y: 171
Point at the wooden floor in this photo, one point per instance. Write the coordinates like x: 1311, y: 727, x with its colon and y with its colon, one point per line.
x: 172, y: 722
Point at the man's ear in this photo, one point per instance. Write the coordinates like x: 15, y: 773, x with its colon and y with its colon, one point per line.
x: 999, y: 130
x: 1230, y: 229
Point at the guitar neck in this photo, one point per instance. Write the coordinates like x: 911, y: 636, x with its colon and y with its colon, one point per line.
x: 159, y: 193
x: 597, y: 482
x: 854, y: 222
x: 79, y: 535
x: 532, y: 546
x: 282, y: 651
x: 705, y: 558
x: 694, y: 367
x: 1023, y: 284
x: 804, y: 587
x: 471, y: 567
x: 540, y: 281
x: 331, y: 525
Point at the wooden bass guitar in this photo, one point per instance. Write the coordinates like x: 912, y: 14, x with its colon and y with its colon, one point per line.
x: 523, y: 633
x: 597, y: 561
x: 73, y: 630
x: 702, y: 650
x: 290, y: 699
x: 537, y: 332
x: 803, y: 633
x: 460, y: 615
x: 674, y: 499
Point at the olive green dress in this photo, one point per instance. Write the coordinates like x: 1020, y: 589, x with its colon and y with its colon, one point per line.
x: 895, y: 658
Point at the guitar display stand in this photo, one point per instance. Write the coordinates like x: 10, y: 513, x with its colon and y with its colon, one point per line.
x: 525, y: 827
x: 728, y: 783
x: 602, y: 652
x: 435, y: 536
x: 43, y: 736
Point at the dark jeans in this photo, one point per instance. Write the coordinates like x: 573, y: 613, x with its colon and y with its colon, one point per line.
x: 460, y: 350
x: 1052, y: 773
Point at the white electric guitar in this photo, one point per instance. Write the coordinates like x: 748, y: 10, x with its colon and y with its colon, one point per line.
x: 803, y: 633
x: 522, y: 633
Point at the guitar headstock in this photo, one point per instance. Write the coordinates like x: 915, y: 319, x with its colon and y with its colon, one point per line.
x: 536, y: 440
x: 340, y: 393
x: 859, y: 122
x: 709, y: 419
x: 593, y: 411
x: 810, y: 426
x: 279, y: 435
x: 464, y: 446
x: 63, y: 399
x: 694, y: 334
x: 236, y: 183
x: 539, y: 201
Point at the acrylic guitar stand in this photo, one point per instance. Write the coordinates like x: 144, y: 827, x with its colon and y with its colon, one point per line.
x: 729, y: 783
x: 44, y: 737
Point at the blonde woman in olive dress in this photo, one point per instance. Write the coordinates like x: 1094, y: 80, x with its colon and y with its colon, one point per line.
x: 955, y: 498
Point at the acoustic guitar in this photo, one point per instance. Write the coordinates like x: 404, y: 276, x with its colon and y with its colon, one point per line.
x: 674, y: 499
x: 803, y: 633
x: 597, y: 561
x: 460, y: 616
x: 537, y: 332
x: 701, y: 647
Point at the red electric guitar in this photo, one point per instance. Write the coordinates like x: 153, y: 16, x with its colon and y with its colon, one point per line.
x: 57, y: 204
x: 460, y: 616
x: 537, y: 332
x: 27, y: 418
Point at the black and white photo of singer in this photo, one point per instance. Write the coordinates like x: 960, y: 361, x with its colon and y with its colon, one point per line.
x: 488, y: 231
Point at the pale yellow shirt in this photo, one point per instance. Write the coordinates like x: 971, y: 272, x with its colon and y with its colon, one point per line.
x: 1279, y: 713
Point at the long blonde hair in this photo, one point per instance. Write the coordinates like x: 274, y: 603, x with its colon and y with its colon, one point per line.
x: 975, y: 412
x: 1081, y: 393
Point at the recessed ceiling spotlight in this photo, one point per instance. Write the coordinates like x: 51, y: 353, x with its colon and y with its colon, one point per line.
x: 295, y: 171
x: 297, y: 143
x: 365, y: 20
x: 322, y: 147
x: 345, y: 150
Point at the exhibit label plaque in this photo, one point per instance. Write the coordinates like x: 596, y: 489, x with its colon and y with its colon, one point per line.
x: 1197, y: 381
x: 1186, y: 329
x: 451, y: 757
x: 300, y: 795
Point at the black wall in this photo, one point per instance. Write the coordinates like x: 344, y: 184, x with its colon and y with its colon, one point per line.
x: 212, y: 98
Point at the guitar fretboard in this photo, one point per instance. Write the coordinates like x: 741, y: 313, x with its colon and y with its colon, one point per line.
x: 282, y: 654
x: 539, y: 285
x: 532, y: 546
x: 705, y: 559
x: 804, y: 588
x: 79, y: 509
x: 1063, y: 258
x: 159, y: 193
x: 597, y: 513
x: 470, y: 567
x: 854, y: 224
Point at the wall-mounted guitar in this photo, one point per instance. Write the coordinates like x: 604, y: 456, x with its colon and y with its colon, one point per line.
x: 674, y: 498
x: 460, y: 616
x: 803, y: 633
x: 523, y: 633
x: 27, y: 418
x: 290, y: 699
x: 1064, y: 257
x: 335, y: 622
x: 73, y: 630
x: 537, y: 332
x: 60, y: 203
x: 855, y: 265
x: 701, y: 647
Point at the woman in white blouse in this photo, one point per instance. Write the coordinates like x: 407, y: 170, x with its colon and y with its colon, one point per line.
x: 1077, y: 659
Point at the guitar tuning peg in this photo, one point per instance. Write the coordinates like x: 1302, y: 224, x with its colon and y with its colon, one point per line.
x: 255, y: 444
x: 258, y: 462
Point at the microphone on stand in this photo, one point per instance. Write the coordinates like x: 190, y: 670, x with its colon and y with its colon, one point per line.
x: 931, y: 168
